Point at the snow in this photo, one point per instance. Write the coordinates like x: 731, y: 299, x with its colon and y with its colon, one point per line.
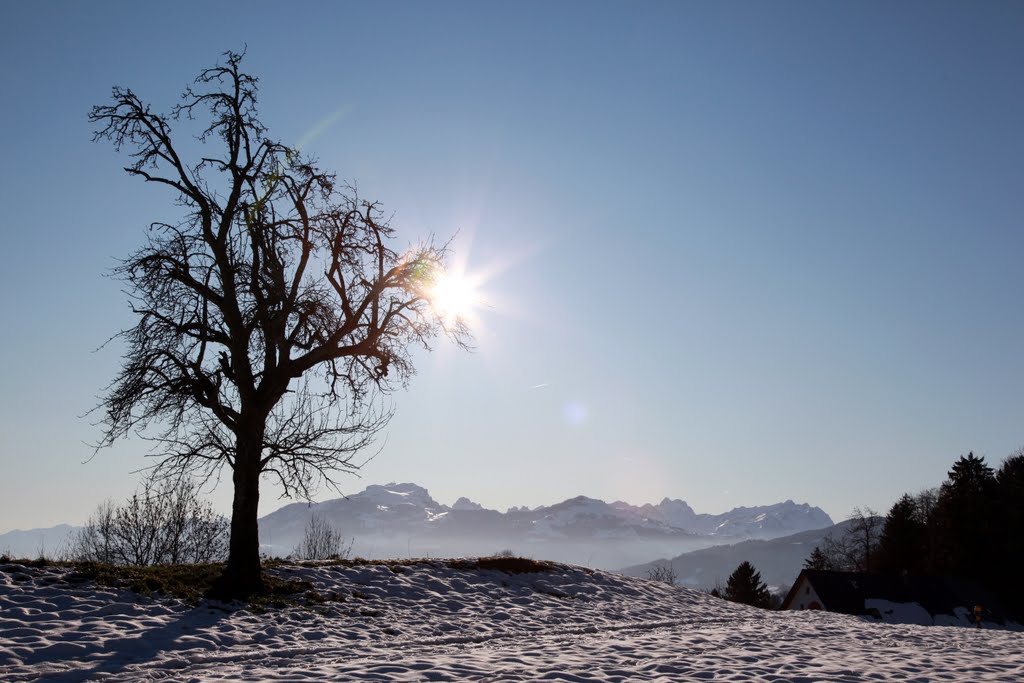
x: 899, y: 612
x: 913, y: 613
x: 433, y: 620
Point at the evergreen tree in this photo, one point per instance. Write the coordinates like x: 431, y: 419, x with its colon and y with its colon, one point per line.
x: 965, y: 521
x: 903, y: 545
x: 926, y: 502
x: 1010, y: 517
x: 971, y: 474
x: 745, y: 586
x: 816, y: 560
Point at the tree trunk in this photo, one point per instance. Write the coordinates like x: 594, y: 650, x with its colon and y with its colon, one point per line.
x: 242, y: 576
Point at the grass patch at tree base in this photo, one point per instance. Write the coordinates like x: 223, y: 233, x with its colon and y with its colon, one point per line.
x: 195, y: 582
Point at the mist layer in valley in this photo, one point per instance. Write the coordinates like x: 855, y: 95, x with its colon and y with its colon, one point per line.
x: 404, y: 521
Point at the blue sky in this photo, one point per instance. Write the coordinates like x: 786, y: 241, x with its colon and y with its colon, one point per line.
x: 736, y: 252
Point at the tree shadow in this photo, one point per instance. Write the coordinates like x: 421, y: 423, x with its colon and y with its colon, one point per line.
x: 118, y: 654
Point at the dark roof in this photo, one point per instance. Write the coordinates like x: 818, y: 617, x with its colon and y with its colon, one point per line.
x: 846, y: 592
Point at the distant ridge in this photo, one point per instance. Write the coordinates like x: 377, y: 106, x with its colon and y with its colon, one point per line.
x: 32, y: 543
x: 403, y: 519
x: 779, y: 560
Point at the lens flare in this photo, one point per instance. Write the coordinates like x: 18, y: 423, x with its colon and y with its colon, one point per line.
x: 455, y: 296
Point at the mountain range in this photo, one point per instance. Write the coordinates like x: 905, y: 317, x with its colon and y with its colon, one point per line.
x: 403, y: 520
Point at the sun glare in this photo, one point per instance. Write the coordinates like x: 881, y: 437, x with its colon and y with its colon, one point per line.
x: 455, y: 297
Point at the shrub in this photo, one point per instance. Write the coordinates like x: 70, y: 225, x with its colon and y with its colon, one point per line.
x: 322, y: 542
x: 165, y: 523
x: 664, y: 573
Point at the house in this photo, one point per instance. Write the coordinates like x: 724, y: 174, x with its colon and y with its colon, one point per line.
x: 895, y: 599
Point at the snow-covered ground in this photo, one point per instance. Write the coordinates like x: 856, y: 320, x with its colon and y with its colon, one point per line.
x: 433, y: 622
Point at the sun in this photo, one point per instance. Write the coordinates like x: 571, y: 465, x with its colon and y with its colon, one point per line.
x: 455, y: 296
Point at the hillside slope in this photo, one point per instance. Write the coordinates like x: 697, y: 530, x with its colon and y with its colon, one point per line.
x: 456, y: 621
x: 779, y: 560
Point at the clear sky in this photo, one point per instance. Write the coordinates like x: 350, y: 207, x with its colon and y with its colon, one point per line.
x: 734, y: 252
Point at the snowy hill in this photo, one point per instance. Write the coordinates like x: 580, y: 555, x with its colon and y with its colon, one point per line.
x: 403, y: 520
x: 459, y: 621
x: 779, y: 560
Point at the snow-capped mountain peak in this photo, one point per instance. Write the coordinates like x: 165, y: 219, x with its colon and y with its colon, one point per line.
x: 402, y: 519
x: 394, y: 494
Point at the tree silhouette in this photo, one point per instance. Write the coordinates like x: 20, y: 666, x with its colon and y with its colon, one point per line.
x: 272, y: 314
x: 864, y: 531
x: 852, y: 551
x: 964, y: 519
x: 164, y: 523
x: 663, y: 572
x: 745, y: 586
x: 970, y: 474
x: 903, y: 543
x: 321, y: 541
x: 817, y: 560
x: 1010, y: 511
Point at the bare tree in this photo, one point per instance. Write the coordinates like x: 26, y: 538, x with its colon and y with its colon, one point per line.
x: 839, y: 553
x: 852, y: 551
x: 864, y: 533
x: 321, y: 541
x: 272, y: 315
x: 925, y: 502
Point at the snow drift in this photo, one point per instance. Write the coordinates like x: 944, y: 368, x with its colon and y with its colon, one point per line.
x: 454, y: 621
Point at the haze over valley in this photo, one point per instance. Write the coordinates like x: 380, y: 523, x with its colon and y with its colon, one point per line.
x: 402, y: 520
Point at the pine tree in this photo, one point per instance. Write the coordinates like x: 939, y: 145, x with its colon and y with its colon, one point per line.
x: 745, y: 586
x: 1010, y: 515
x: 903, y: 545
x: 964, y: 520
x: 816, y: 560
x: 970, y: 474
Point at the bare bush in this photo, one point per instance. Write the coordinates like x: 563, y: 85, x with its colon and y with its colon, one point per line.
x: 94, y: 542
x: 165, y: 523
x: 663, y: 573
x: 322, y: 542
